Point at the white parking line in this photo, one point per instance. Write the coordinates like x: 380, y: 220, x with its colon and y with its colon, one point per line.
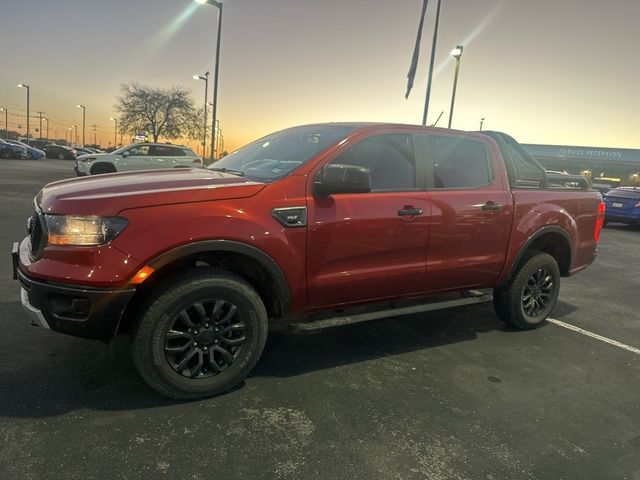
x: 615, y: 343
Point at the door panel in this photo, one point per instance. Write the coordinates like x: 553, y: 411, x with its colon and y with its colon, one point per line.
x: 468, y: 245
x: 359, y: 248
x: 471, y: 213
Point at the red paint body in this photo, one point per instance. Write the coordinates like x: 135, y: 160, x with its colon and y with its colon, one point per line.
x: 355, y: 248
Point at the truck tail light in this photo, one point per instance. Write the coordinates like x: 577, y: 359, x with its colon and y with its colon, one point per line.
x: 599, y: 222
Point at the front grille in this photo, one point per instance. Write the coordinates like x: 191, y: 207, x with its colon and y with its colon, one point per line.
x: 37, y: 237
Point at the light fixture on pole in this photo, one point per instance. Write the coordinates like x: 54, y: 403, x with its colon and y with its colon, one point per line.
x: 84, y: 114
x: 214, y: 112
x: 204, y: 78
x: 115, y: 132
x: 6, y: 121
x: 456, y: 53
x: 26, y: 85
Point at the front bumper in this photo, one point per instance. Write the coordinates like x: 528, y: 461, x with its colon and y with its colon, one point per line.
x: 79, y: 172
x: 79, y: 311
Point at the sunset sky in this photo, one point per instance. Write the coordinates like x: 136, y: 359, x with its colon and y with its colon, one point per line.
x: 544, y: 71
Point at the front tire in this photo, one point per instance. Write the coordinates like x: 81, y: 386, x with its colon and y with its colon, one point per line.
x: 528, y: 298
x: 102, y: 168
x: 200, y: 335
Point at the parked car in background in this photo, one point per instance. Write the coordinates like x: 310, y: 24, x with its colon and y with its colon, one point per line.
x: 83, y: 151
x: 37, y: 143
x: 32, y: 152
x: 9, y: 150
x: 138, y: 156
x: 623, y: 205
x: 60, y: 152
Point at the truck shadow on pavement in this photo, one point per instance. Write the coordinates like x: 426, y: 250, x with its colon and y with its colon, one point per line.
x: 46, y: 374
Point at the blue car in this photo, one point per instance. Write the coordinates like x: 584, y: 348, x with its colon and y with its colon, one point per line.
x: 32, y: 152
x: 10, y: 150
x: 623, y: 205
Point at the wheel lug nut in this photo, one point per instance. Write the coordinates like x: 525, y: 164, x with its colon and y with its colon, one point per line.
x: 216, y: 329
x: 195, y: 344
x: 206, y: 325
x: 215, y: 341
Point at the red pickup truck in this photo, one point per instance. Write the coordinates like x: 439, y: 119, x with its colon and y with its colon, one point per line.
x: 197, y: 264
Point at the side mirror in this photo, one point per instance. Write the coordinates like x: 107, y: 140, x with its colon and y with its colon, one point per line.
x: 126, y: 154
x: 335, y: 178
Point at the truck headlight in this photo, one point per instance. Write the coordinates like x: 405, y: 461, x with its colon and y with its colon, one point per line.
x: 83, y: 230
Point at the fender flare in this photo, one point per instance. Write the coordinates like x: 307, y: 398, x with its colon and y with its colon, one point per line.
x: 532, y: 239
x: 204, y: 246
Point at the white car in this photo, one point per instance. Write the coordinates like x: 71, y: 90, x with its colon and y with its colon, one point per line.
x: 138, y: 156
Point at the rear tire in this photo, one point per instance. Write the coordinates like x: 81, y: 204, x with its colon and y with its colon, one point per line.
x: 200, y: 335
x: 528, y: 298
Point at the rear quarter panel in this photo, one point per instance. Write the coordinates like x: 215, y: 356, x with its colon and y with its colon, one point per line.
x: 574, y: 211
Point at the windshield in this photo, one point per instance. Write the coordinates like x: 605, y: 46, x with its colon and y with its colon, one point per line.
x: 275, y: 156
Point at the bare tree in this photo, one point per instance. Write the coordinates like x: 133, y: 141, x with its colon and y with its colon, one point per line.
x: 165, y: 113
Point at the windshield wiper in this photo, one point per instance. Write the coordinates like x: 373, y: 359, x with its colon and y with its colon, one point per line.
x: 240, y: 173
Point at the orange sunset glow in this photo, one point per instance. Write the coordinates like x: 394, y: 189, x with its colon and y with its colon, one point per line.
x: 545, y: 72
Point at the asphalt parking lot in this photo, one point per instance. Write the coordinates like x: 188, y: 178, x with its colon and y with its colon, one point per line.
x: 446, y: 395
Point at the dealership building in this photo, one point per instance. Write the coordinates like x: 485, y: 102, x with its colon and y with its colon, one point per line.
x: 609, y: 166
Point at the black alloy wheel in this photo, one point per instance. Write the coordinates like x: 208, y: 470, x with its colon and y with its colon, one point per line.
x: 199, y: 334
x: 537, y: 292
x: 528, y: 298
x: 205, y: 338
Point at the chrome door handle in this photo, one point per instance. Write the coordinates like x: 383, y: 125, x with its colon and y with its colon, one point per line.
x: 409, y: 212
x: 491, y: 206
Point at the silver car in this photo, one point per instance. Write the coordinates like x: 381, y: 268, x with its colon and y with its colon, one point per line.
x: 138, y: 156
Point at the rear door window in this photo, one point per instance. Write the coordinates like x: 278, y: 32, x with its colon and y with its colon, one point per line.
x: 458, y: 163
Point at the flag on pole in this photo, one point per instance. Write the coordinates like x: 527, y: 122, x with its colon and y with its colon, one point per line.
x: 416, y: 51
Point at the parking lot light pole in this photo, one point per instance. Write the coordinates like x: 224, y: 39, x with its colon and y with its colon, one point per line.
x: 214, y: 111
x: 75, y: 128
x: 84, y: 112
x: 40, y: 114
x: 115, y: 132
x: 481, y: 122
x: 26, y: 85
x: 46, y: 120
x: 205, y: 78
x: 457, y: 53
x: 6, y: 121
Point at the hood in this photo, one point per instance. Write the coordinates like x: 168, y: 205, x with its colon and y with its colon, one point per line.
x: 109, y: 194
x: 97, y: 155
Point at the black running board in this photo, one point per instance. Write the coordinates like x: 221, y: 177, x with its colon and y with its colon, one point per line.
x: 467, y: 298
